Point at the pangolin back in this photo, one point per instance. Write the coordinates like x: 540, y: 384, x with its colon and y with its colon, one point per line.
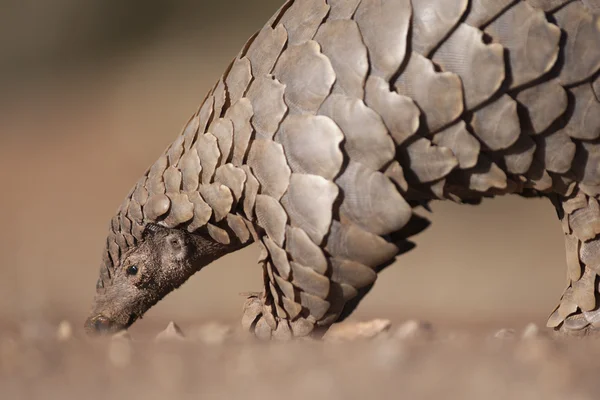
x: 339, y: 116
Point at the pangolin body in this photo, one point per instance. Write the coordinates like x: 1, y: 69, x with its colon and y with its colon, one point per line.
x: 340, y: 116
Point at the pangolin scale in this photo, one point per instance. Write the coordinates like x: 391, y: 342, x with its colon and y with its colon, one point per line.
x: 338, y: 118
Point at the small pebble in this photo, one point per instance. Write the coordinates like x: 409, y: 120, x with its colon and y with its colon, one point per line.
x: 213, y: 333
x: 532, y: 331
x: 357, y: 330
x: 504, y: 333
x: 414, y: 330
x: 171, y: 333
x: 64, y: 331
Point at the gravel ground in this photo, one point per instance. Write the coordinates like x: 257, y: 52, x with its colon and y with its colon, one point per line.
x: 213, y: 361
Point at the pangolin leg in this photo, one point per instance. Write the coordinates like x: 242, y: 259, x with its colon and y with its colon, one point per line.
x: 308, y: 288
x: 578, y: 312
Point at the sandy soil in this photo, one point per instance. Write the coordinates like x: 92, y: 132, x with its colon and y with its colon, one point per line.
x: 74, y: 136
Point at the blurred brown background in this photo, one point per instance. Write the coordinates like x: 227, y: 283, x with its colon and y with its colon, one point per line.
x: 92, y: 91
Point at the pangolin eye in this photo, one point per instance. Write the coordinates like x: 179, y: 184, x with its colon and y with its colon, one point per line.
x: 132, y: 270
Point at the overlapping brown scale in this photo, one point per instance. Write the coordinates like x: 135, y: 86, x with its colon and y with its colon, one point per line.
x: 384, y: 27
x: 464, y: 146
x: 428, y: 162
x: 309, y: 281
x: 220, y: 95
x: 303, y: 250
x: 262, y: 330
x: 316, y: 306
x: 277, y: 301
x: 366, y: 136
x: 202, y: 211
x: 157, y: 206
x: 399, y: 113
x: 341, y: 42
x: 432, y: 21
x: 238, y: 78
x: 531, y: 41
x: 303, y: 19
x: 208, y: 153
x: 269, y: 166
x: 566, y: 307
x: 484, y: 176
x: 172, y: 178
x: 439, y: 95
x: 593, y: 317
x: 181, y: 211
x: 191, y: 130
x: 348, y: 241
x: 222, y: 129
x: 596, y: 87
x: 309, y: 204
x: 341, y: 9
x: 302, y: 327
x: 585, y: 222
x: 564, y: 185
x: 238, y: 226
x: 395, y: 172
x: 232, y: 177
x: 548, y: 5
x: 543, y: 103
x: 219, y: 234
x: 175, y: 150
x: 556, y: 151
x: 266, y: 96
x: 367, y: 195
x: 589, y: 253
x: 279, y: 258
x: 113, y: 249
x: 271, y: 216
x: 205, y: 115
x: 190, y: 170
x: 483, y: 11
x: 575, y: 322
x: 584, y: 290
x: 351, y: 273
x: 307, y: 75
x: 497, y: 124
x: 582, y: 35
x: 572, y: 245
x: 576, y: 202
x: 134, y: 212
x: 218, y: 197
x: 586, y: 163
x: 479, y: 65
x: 250, y: 191
x: 288, y: 291
x: 585, y: 120
x: 266, y: 49
x: 312, y: 145
x: 155, y: 183
x: 240, y: 114
x: 537, y: 177
x: 292, y: 309
x: 519, y: 157
x: 140, y: 193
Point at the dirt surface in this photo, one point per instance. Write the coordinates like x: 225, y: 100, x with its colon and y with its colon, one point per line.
x: 80, y: 123
x: 215, y: 363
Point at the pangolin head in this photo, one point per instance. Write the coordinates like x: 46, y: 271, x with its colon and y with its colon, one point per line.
x: 143, y: 272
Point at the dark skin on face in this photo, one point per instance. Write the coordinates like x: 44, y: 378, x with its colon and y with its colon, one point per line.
x: 160, y: 263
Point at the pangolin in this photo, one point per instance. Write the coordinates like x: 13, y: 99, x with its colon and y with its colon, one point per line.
x: 335, y: 121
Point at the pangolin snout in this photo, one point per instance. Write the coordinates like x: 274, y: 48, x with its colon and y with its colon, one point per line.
x: 100, y: 324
